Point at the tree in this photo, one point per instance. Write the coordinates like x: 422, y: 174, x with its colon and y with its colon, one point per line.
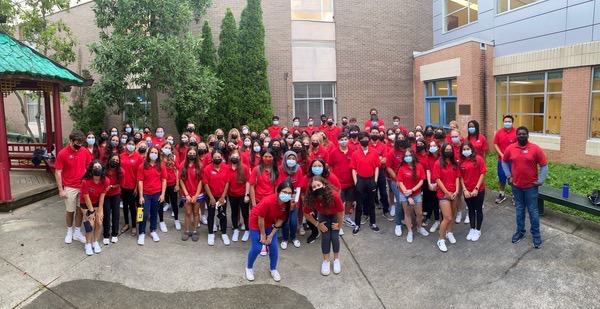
x: 257, y: 109
x: 147, y: 45
x: 8, y: 9
x: 208, y: 52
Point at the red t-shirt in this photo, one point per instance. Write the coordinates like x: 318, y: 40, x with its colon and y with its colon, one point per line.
x: 180, y: 153
x: 269, y: 209
x: 112, y: 177
x: 157, y: 142
x: 503, y: 138
x: 353, y: 145
x: 206, y: 160
x: 73, y: 164
x: 192, y: 180
x: 423, y: 160
x: 393, y: 160
x: 152, y: 178
x: 310, y: 129
x: 480, y: 144
x: 364, y: 164
x: 369, y: 124
x: 381, y: 150
x: 93, y: 189
x: 431, y: 159
x: 296, y: 179
x: 171, y: 177
x: 471, y: 173
x: 405, y: 176
x: 447, y: 175
x: 524, y: 163
x: 263, y: 186
x: 332, y: 179
x: 216, y: 180
x: 332, y: 134
x: 338, y: 206
x: 238, y: 189
x: 339, y: 162
x: 274, y: 131
x: 321, y: 153
x: 130, y: 164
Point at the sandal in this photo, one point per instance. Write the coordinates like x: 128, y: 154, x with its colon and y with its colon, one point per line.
x: 133, y: 231
x: 125, y: 228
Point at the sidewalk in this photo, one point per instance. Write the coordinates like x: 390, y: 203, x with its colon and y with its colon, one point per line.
x: 37, y: 269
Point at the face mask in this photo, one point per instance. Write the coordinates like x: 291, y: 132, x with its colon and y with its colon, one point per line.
x: 284, y: 132
x: 364, y: 143
x: 428, y: 133
x: 231, y: 148
x: 296, y: 123
x: 375, y: 137
x: 329, y: 123
x: 319, y: 191
x: 268, y: 161
x: 130, y: 147
x: 323, y: 120
x: 234, y: 160
x: 114, y: 143
x: 408, y: 159
x: 412, y: 139
x: 191, y: 157
x: 471, y: 130
x: 420, y: 148
x: 184, y: 140
x: 375, y: 123
x: 142, y: 150
x: 91, y: 141
x: 276, y: 148
x: 245, y: 131
x: 400, y: 143
x: 289, y: 141
x: 247, y: 143
x: 211, y: 144
x: 448, y: 154
x: 275, y: 123
x: 266, y: 144
x: 256, y: 148
x: 297, y: 149
x: 123, y: 140
x: 439, y: 135
x: 344, y: 123
x: 353, y: 134
x: 219, y: 136
x: 391, y: 137
x: 343, y: 143
x: 203, y: 151
x: 253, y: 136
x: 170, y: 141
x: 153, y: 156
x: 522, y: 139
x: 190, y: 129
x: 128, y: 130
x: 290, y: 163
x: 194, y: 144
x: 284, y: 197
x: 310, y: 123
x: 507, y: 125
x: 97, y: 171
x: 373, y: 117
x: 466, y: 153
x: 166, y: 151
x: 217, y: 161
x: 317, y: 170
x: 113, y: 164
x: 137, y: 140
x: 103, y: 138
x: 76, y: 147
x: 149, y: 143
x: 113, y: 133
x: 455, y: 140
x: 433, y: 149
x: 396, y: 123
x: 315, y: 144
x: 234, y: 136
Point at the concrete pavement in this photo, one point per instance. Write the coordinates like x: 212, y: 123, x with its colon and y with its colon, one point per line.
x: 37, y: 269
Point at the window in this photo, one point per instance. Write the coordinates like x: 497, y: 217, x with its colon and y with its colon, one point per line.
x: 459, y: 13
x: 440, y: 102
x: 507, y: 5
x: 314, y: 99
x: 137, y: 108
x: 534, y: 100
x: 32, y: 109
x: 595, y: 108
x: 321, y: 10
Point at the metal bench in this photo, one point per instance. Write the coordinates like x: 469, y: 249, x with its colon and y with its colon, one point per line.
x: 575, y: 201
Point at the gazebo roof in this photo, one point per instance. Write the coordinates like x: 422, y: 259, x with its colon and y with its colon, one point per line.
x: 19, y: 61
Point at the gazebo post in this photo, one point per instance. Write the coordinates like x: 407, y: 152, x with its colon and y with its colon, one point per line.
x: 57, y: 120
x: 48, y: 121
x: 5, y: 195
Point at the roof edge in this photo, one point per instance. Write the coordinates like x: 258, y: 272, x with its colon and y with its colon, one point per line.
x: 452, y: 44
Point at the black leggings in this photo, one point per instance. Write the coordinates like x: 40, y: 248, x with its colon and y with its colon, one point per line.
x: 331, y: 237
x: 314, y: 231
x: 212, y: 210
x: 111, y: 210
x: 475, y: 205
x: 129, y: 207
x: 365, y: 196
x: 431, y: 203
x: 237, y: 203
x: 171, y: 198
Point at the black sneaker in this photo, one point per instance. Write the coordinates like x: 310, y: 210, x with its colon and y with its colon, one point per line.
x: 356, y: 229
x: 388, y: 216
x: 312, y: 238
x: 517, y: 237
x: 501, y: 198
x: 375, y: 228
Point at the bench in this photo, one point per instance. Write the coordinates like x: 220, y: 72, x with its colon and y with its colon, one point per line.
x: 575, y: 201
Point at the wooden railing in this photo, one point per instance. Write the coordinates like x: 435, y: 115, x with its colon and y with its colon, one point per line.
x: 20, y: 156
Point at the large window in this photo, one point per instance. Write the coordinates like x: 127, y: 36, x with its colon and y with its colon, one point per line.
x: 507, y: 5
x: 321, y: 10
x: 595, y: 109
x: 32, y: 109
x: 459, y: 13
x: 440, y: 102
x: 534, y: 100
x: 314, y: 99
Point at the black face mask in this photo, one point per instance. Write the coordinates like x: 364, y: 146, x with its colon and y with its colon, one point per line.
x: 253, y: 136
x: 202, y: 151
x: 448, y: 154
x: 439, y: 135
x: 323, y: 120
x: 315, y: 144
x: 296, y: 135
x: 192, y: 157
x: 428, y: 133
x: 235, y: 160
x: 231, y: 148
x: 420, y: 148
x: 400, y: 143
x: 297, y: 149
x: 373, y: 117
x: 211, y: 144
x: 412, y: 139
x: 364, y: 143
x: 103, y: 138
x: 219, y: 136
x: 344, y: 123
x: 194, y: 144
x: 97, y: 171
x: 142, y: 150
x: 234, y: 136
x: 319, y: 191
x: 522, y: 139
x: 190, y: 129
x: 329, y: 123
x: 375, y: 137
x: 217, y: 161
x: 353, y: 134
x: 113, y: 164
x: 137, y: 140
x: 276, y: 148
x: 76, y: 147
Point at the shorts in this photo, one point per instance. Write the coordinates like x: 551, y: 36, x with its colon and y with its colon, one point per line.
x: 72, y: 198
x: 501, y: 176
x: 417, y: 197
x: 201, y: 198
x: 84, y: 205
x: 348, y: 195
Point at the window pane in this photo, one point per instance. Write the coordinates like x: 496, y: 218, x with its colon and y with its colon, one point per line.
x: 328, y: 106
x: 314, y: 90
x: 595, y: 116
x: 555, y: 82
x: 502, y: 6
x: 457, y: 19
x: 314, y: 108
x: 473, y: 14
x: 306, y: 15
x: 518, y: 104
x: 534, y: 123
x: 441, y: 88
x: 501, y: 85
x: 327, y: 90
x: 300, y: 91
x: 454, y: 88
x: 527, y: 83
x: 519, y: 3
x: 434, y: 112
x: 306, y: 5
x: 450, y: 112
x: 553, y: 114
x: 452, y: 5
x: 429, y: 89
x: 500, y: 110
x: 596, y: 85
x: 301, y: 111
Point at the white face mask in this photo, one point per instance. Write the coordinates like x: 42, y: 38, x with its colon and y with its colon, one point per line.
x: 245, y: 131
x: 310, y: 123
x: 391, y: 137
x: 247, y: 143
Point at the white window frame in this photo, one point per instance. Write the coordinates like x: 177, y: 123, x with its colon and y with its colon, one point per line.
x: 322, y: 12
x: 32, y: 103
x: 303, y: 118
x: 497, y: 9
x: 446, y: 14
x: 592, y: 91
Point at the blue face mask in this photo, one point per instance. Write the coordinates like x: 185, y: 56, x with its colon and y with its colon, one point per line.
x: 472, y: 130
x: 507, y: 125
x: 455, y: 140
x: 408, y: 159
x: 149, y: 143
x: 375, y: 123
x: 131, y: 147
x: 256, y: 148
x: 123, y: 140
x: 284, y: 197
x: 433, y: 149
x: 291, y: 163
x: 128, y: 130
x: 160, y: 134
x: 91, y: 141
x: 466, y: 153
x: 317, y: 170
x: 153, y: 156
x: 166, y: 151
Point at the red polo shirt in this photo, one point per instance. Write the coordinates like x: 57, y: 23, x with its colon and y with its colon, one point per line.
x: 470, y: 172
x: 112, y: 178
x: 332, y: 179
x: 369, y: 124
x: 524, y: 163
x: 393, y: 160
x: 73, y: 164
x: 296, y: 179
x: 381, y: 150
x: 274, y: 131
x: 263, y: 186
x: 157, y: 142
x: 480, y: 143
x: 503, y: 138
x: 310, y: 129
x: 405, y: 176
x: 93, y: 189
x: 332, y: 134
x: 352, y: 145
x: 364, y: 164
x: 238, y: 189
x: 447, y: 175
x: 339, y: 162
x: 269, y: 209
x: 152, y: 178
x: 216, y: 179
x: 192, y: 180
x: 321, y: 153
x: 338, y: 206
x: 130, y: 164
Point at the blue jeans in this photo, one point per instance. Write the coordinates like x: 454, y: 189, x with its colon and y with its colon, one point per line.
x: 527, y: 198
x: 290, y: 226
x: 383, y: 193
x: 151, y: 205
x: 399, y: 210
x: 257, y: 246
x: 501, y: 176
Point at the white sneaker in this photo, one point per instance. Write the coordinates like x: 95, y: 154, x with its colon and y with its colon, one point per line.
x: 458, y: 217
x: 114, y: 239
x: 250, y: 274
x: 177, y: 225
x: 422, y: 231
x: 296, y: 243
x: 325, y: 268
x: 434, y: 227
x: 470, y: 235
x: 69, y: 237
x: 79, y: 237
x: 211, y: 239
x: 172, y: 213
x: 349, y: 222
x: 341, y: 232
x: 88, y: 249
x: 121, y: 205
x: 203, y: 220
x: 225, y: 238
x: 263, y: 251
x: 167, y: 206
x: 198, y: 224
x: 409, y: 237
x: 105, y: 241
x: 337, y: 268
x: 141, y: 239
x: 275, y: 275
x: 442, y: 245
x: 451, y: 238
x: 284, y: 245
x: 301, y: 231
x: 163, y: 226
x: 476, y: 235
x: 245, y: 236
x: 425, y: 223
x: 393, y: 210
x: 467, y: 220
x: 398, y: 230
x: 236, y: 235
x: 96, y: 247
x: 155, y: 236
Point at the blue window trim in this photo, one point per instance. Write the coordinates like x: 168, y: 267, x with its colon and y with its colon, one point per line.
x: 441, y: 99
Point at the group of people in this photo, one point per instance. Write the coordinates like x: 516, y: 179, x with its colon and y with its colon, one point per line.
x: 291, y: 179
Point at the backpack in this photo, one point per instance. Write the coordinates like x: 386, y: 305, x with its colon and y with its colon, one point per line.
x: 595, y: 198
x: 37, y: 156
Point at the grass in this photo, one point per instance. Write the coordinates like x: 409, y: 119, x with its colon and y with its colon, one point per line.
x: 581, y: 180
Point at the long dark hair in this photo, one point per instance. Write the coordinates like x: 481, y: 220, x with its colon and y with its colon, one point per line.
x: 240, y: 173
x: 414, y: 162
x: 278, y: 153
x: 170, y: 159
x: 288, y: 204
x: 186, y: 163
x: 118, y: 169
x: 476, y: 126
x: 310, y: 199
x: 274, y: 166
x: 147, y: 160
x: 95, y: 149
x: 472, y: 157
x: 88, y: 170
x: 325, y: 173
x: 181, y: 146
x: 254, y: 153
x: 110, y: 148
x: 443, y: 157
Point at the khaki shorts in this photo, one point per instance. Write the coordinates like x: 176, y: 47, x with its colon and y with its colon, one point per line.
x: 72, y: 199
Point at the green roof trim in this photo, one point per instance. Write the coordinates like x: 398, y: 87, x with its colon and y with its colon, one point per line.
x: 18, y: 58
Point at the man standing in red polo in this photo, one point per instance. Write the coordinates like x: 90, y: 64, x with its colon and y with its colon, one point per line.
x: 365, y: 170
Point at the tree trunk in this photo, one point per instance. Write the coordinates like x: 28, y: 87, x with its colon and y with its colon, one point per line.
x: 24, y: 113
x: 153, y: 106
x: 38, y: 118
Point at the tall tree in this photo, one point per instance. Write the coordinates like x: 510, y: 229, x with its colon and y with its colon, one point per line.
x: 208, y: 52
x: 257, y: 109
x: 8, y: 9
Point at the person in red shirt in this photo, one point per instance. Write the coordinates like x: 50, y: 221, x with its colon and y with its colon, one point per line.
x: 472, y: 172
x: 381, y: 149
x: 447, y: 174
x: 290, y: 171
x: 94, y: 185
x: 130, y: 160
x: 147, y: 132
x: 112, y: 200
x: 70, y: 166
x: 456, y: 140
x: 275, y: 129
x: 410, y: 179
x: 393, y: 160
x: 310, y: 128
x: 159, y: 137
x: 317, y: 150
x: 190, y: 183
x: 322, y: 199
x: 263, y: 177
x: 265, y: 219
x: 525, y: 158
x: 152, y: 184
x: 191, y: 130
x: 374, y: 121
x: 113, y: 146
x: 90, y: 144
x: 332, y: 131
x: 216, y: 184
x: 103, y: 141
x: 353, y: 142
x: 396, y: 125
x: 339, y: 162
x: 430, y: 200
x: 170, y: 159
x: 239, y: 194
x: 503, y: 138
x: 453, y: 126
x: 295, y: 125
x: 365, y: 170
x: 323, y: 125
x: 477, y: 139
x: 181, y: 148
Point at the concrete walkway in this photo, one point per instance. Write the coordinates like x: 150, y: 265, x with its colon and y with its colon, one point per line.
x: 38, y: 270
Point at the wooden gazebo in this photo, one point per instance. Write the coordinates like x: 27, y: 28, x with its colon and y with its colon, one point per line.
x: 23, y: 68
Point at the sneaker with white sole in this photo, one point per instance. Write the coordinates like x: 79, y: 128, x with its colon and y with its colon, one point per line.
x: 246, y: 236
x: 211, y: 239
x: 470, y: 235
x: 467, y: 220
x: 114, y: 239
x: 501, y: 198
x: 337, y: 267
x: 154, y: 236
x: 388, y: 216
x: 476, y: 235
x: 203, y: 220
x: 284, y: 245
x: 163, y: 226
x: 79, y: 237
x: 364, y: 219
x: 375, y: 228
x: 105, y: 241
x: 199, y: 224
x: 236, y: 235
x: 425, y: 223
x: 263, y: 250
x: 348, y: 222
x: 141, y: 239
x: 177, y: 225
x: 225, y: 238
x: 250, y: 274
x: 96, y: 247
x: 325, y: 268
x: 296, y: 243
x: 409, y: 237
x: 69, y: 237
x: 434, y: 227
x: 167, y: 206
x: 88, y: 249
x: 423, y: 231
x: 341, y: 232
x: 458, y: 217
x: 450, y: 237
x: 275, y: 275
x: 442, y: 245
x: 398, y: 230
x: 301, y: 231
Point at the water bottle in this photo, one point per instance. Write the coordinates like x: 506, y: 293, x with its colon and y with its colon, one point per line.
x: 565, y: 190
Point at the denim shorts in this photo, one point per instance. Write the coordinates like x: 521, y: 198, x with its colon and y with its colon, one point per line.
x: 417, y: 197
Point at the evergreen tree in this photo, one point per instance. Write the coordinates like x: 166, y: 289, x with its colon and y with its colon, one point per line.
x: 208, y: 52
